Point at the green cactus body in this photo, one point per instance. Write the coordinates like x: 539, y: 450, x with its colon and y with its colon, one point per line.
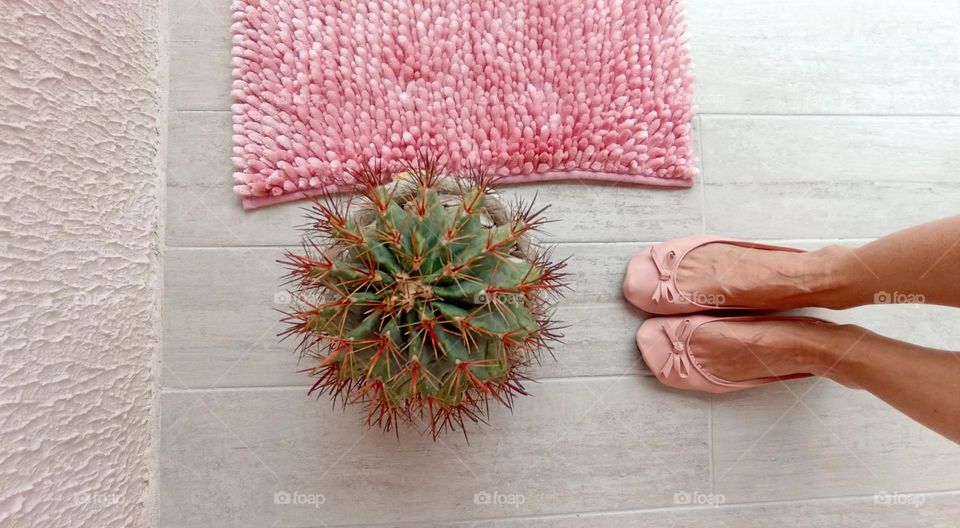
x: 424, y: 305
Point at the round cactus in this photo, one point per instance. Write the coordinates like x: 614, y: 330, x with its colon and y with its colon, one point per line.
x: 423, y: 297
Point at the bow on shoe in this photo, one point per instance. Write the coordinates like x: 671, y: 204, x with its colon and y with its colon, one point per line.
x: 679, y: 359
x: 665, y: 288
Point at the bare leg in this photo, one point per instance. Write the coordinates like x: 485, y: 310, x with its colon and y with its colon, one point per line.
x: 923, y: 383
x: 922, y: 262
x: 919, y: 264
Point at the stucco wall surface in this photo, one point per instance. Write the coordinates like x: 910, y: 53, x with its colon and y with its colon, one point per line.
x: 79, y: 144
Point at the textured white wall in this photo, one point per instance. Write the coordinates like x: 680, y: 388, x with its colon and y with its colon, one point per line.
x: 79, y: 176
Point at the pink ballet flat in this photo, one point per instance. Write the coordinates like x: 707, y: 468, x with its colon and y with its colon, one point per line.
x: 664, y: 343
x: 651, y: 280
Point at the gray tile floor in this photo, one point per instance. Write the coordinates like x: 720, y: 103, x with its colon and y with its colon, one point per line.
x: 820, y: 122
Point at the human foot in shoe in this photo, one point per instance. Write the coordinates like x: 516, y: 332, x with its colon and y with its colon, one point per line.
x: 714, y: 354
x: 707, y: 272
x: 739, y: 350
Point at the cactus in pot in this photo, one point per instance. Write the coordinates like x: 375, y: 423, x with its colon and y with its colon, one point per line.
x: 423, y: 298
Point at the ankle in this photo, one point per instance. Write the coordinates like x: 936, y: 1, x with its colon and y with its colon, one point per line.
x: 823, y: 278
x: 835, y: 350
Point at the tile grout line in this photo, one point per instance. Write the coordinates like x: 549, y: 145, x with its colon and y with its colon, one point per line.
x: 712, y: 457
x: 152, y: 506
x: 711, y: 461
x: 858, y: 240
x: 722, y: 115
x: 653, y: 510
x: 249, y: 388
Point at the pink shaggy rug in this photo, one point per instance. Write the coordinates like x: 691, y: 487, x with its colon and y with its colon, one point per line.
x: 532, y: 89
